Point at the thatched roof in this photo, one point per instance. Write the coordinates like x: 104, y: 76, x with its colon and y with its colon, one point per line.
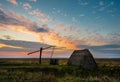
x: 82, y: 58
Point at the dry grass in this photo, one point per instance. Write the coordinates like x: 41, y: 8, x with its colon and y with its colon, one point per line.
x: 22, y: 70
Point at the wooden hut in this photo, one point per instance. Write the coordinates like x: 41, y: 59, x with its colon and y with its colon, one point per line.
x: 82, y: 58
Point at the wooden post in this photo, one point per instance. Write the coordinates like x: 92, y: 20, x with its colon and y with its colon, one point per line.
x: 40, y: 55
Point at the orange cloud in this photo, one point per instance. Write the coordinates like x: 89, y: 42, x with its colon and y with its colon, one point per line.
x: 47, y: 38
x: 55, y: 39
x: 26, y: 26
x: 44, y: 20
x: 60, y: 26
x: 37, y: 13
x: 84, y: 38
x: 4, y: 45
x: 14, y: 2
x: 18, y: 28
x: 21, y: 24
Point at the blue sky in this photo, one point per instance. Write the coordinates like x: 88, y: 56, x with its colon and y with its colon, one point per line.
x: 74, y: 24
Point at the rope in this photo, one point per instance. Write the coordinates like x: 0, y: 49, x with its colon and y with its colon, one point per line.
x: 52, y: 52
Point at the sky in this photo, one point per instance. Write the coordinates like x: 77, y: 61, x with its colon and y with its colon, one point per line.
x: 27, y: 25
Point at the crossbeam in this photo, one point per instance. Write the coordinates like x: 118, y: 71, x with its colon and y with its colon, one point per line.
x: 33, y: 52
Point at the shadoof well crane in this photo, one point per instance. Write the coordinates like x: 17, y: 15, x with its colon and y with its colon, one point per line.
x: 41, y: 49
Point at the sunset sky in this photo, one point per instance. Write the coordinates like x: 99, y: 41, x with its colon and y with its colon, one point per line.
x: 27, y: 25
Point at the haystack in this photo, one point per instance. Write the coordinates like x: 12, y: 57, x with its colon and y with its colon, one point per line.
x: 82, y: 58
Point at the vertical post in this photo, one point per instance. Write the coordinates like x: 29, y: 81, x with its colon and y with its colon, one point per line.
x: 40, y: 55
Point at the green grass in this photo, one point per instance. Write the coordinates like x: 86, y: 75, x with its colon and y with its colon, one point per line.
x: 30, y: 71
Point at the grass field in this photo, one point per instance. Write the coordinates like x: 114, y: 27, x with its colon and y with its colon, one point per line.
x: 28, y: 70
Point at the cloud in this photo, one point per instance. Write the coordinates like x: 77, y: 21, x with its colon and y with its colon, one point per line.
x: 82, y: 2
x: 36, y: 12
x: 7, y: 36
x: 55, y: 39
x: 19, y: 22
x: 5, y: 19
x: 111, y: 3
x: 81, y: 36
x: 43, y: 20
x: 60, y: 26
x: 114, y: 37
x: 101, y: 8
x: 74, y: 19
x: 108, y: 48
x: 18, y: 46
x: 14, y: 2
x: 81, y: 15
x: 42, y: 29
x: 101, y: 3
x: 33, y: 0
x: 27, y: 6
x: 1, y: 8
x: 9, y: 46
x: 106, y: 6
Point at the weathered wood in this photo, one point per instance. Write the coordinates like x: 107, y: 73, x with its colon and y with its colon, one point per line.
x: 82, y: 58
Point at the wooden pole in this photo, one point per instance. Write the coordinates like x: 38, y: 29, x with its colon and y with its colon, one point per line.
x: 40, y: 55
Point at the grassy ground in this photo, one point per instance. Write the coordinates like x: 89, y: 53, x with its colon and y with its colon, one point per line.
x: 28, y: 70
